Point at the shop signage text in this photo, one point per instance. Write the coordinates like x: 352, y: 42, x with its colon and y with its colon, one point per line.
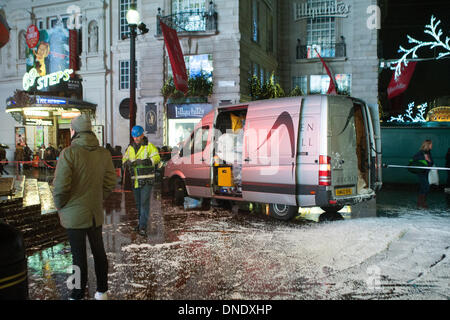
x: 32, y: 77
x: 38, y: 122
x: 186, y: 111
x: 336, y: 9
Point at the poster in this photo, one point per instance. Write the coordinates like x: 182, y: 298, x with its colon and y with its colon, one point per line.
x: 98, y: 131
x: 39, y: 136
x: 20, y: 136
x: 151, y: 118
x: 51, y: 54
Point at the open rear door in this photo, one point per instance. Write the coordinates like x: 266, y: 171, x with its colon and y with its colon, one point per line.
x: 374, y: 123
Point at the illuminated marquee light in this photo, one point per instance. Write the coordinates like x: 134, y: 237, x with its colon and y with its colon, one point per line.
x: 37, y: 113
x: 39, y: 122
x: 409, y: 114
x: 431, y: 30
x: 70, y: 115
x: 40, y: 100
x: 32, y: 77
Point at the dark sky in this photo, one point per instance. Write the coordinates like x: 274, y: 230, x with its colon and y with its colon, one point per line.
x: 409, y: 17
x: 431, y: 79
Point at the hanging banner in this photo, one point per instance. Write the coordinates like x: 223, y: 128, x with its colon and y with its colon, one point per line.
x: 180, y: 78
x: 397, y: 87
x: 151, y: 118
x: 332, y: 87
x: 73, y: 49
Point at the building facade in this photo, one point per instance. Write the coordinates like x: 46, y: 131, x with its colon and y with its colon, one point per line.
x: 229, y: 39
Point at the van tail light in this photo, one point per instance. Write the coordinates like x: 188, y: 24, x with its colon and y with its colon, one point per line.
x: 324, y: 171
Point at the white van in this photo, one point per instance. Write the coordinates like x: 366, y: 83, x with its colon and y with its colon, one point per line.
x: 319, y: 150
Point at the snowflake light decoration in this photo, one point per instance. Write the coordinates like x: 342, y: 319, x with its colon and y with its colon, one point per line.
x: 431, y: 30
x: 419, y: 117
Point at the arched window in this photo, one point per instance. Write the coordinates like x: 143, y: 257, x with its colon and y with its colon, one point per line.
x: 22, y: 45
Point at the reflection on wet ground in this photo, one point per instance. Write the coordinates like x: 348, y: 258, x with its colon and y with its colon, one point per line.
x: 218, y: 254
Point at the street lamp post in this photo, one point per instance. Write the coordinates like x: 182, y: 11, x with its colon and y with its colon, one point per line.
x: 133, y: 20
x: 134, y: 23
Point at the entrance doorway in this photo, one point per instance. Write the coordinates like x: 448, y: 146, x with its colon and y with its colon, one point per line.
x: 64, y: 137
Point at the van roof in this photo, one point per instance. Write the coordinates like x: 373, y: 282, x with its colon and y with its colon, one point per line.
x: 287, y: 101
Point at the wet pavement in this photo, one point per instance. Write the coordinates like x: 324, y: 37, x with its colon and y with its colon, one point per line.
x: 400, y: 253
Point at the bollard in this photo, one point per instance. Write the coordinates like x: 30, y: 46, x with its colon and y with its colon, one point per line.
x: 13, y: 264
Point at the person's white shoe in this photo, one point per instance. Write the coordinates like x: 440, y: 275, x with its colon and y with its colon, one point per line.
x: 101, y: 296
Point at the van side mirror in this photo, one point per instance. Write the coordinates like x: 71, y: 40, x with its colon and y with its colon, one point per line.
x: 180, y: 153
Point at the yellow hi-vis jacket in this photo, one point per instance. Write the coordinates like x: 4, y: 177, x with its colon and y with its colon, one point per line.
x: 144, y: 172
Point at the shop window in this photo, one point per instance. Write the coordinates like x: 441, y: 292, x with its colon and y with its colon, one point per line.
x: 180, y: 130
x: 321, y: 83
x: 196, y: 65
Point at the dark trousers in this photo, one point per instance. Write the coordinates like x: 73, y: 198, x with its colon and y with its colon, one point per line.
x: 424, y: 185
x: 77, y: 239
x: 142, y: 197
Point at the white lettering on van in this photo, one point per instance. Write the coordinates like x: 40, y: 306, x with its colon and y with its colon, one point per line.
x: 306, y: 144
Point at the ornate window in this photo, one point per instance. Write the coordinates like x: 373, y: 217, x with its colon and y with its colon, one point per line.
x: 124, y: 74
x: 321, y: 32
x: 124, y: 5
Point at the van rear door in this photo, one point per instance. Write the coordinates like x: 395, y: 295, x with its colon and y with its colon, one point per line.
x: 342, y: 147
x: 376, y: 146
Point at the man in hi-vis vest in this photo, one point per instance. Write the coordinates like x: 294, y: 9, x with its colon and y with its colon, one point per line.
x: 141, y: 157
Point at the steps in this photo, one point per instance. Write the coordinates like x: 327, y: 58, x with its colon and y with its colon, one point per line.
x: 31, y: 210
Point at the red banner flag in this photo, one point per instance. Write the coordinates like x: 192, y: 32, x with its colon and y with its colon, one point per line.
x: 332, y: 87
x: 73, y: 49
x: 398, y: 86
x: 176, y: 57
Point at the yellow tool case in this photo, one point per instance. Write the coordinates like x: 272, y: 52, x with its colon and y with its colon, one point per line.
x: 224, y: 177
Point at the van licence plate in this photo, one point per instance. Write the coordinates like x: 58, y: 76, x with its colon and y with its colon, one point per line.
x: 343, y: 191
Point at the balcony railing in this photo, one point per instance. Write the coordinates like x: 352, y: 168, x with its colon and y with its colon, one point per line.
x: 326, y: 50
x: 189, y: 21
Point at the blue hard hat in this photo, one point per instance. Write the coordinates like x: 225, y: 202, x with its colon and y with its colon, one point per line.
x: 137, y: 131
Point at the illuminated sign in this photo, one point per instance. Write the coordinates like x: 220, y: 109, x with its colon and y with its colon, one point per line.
x: 40, y: 100
x: 69, y: 115
x: 335, y: 9
x: 38, y: 122
x: 32, y: 77
x: 36, y: 113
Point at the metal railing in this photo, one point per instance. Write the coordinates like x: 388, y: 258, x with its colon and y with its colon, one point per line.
x: 326, y: 50
x: 189, y: 21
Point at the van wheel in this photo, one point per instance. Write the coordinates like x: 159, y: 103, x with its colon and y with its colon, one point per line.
x: 179, y: 192
x: 331, y: 209
x: 282, y: 211
x: 206, y: 204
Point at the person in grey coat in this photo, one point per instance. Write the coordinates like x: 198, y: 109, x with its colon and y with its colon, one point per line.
x: 84, y: 177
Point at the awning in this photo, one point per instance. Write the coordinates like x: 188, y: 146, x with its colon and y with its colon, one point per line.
x: 41, y: 110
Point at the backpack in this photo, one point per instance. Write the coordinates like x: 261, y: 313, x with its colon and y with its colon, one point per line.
x: 417, y: 163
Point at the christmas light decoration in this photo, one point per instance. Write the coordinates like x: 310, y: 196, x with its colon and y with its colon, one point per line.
x: 419, y: 117
x: 431, y: 30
